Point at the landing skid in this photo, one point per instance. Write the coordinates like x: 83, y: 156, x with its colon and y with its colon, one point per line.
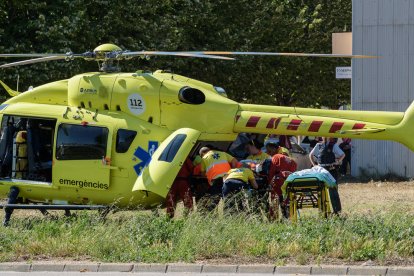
x: 43, y: 208
x: 53, y: 207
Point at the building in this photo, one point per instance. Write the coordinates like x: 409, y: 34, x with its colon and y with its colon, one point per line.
x: 384, y: 28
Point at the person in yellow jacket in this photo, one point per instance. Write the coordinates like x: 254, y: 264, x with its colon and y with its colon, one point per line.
x: 280, y: 149
x: 236, y: 180
x: 215, y: 164
x: 256, y: 155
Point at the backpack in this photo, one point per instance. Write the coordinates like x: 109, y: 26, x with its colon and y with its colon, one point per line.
x: 327, y: 155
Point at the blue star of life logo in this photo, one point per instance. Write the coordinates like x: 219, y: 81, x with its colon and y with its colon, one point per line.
x: 216, y: 156
x: 144, y: 156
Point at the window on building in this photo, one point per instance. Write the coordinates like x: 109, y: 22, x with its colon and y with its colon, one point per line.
x: 124, y: 139
x: 76, y: 142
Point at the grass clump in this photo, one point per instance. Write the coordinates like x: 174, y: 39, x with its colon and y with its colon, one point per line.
x: 147, y: 237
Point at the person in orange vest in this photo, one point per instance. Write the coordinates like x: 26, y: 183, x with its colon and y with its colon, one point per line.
x: 180, y: 190
x: 280, y: 168
x: 215, y: 164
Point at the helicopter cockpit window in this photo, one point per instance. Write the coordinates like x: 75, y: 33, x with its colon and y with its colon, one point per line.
x: 124, y: 139
x: 76, y: 142
x: 172, y: 148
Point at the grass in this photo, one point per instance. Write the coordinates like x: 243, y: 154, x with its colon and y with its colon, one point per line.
x: 146, y: 237
x: 383, y: 233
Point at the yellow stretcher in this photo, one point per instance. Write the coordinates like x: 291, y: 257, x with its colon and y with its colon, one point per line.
x: 306, y: 192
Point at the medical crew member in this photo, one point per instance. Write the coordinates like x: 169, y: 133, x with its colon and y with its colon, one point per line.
x: 280, y: 168
x: 255, y: 154
x: 180, y: 190
x: 329, y: 155
x: 234, y: 181
x: 275, y: 141
x: 215, y: 164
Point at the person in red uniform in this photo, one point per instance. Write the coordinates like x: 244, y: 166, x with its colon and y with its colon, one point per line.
x: 180, y: 190
x: 280, y: 168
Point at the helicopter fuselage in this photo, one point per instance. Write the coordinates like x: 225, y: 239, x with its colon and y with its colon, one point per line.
x: 98, y: 131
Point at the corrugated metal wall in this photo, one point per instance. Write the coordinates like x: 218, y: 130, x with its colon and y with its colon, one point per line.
x: 384, y: 28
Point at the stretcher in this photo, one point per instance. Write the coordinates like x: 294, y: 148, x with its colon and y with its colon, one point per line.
x: 310, y: 189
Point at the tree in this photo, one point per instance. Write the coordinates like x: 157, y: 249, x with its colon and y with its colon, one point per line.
x: 280, y: 25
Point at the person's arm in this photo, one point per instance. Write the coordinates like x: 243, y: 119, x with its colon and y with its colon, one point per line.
x: 202, y: 168
x: 272, y: 170
x: 254, y: 184
x: 234, y: 163
x: 252, y: 180
x: 339, y: 154
x: 312, y: 156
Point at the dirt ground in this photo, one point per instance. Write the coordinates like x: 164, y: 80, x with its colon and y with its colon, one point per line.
x: 376, y: 196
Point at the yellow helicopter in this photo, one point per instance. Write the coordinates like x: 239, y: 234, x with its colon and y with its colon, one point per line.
x: 112, y: 138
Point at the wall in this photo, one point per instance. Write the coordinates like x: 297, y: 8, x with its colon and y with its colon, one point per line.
x: 384, y: 28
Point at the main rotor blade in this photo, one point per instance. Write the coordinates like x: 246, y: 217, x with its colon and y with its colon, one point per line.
x: 30, y: 61
x: 281, y: 54
x: 33, y: 55
x: 182, y: 54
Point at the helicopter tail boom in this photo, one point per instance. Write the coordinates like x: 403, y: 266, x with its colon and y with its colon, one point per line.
x: 377, y: 125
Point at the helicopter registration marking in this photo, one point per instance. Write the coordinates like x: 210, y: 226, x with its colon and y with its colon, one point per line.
x: 136, y: 104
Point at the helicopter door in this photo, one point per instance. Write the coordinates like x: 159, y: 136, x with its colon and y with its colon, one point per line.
x: 166, y: 161
x: 82, y: 157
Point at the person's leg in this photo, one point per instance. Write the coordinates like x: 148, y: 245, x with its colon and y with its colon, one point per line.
x: 334, y: 172
x: 13, y: 194
x: 185, y: 195
x: 344, y: 165
x: 273, y: 206
x: 333, y: 193
x: 171, y: 200
x: 231, y: 189
x: 285, y: 212
x: 335, y: 200
x: 215, y: 193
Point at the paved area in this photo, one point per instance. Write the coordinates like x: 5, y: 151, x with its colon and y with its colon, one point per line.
x: 38, y: 268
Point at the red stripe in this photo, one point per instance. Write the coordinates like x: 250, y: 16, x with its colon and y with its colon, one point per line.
x: 237, y: 118
x: 358, y: 126
x: 252, y: 122
x: 294, y: 124
x: 335, y: 127
x: 273, y: 123
x: 315, y: 125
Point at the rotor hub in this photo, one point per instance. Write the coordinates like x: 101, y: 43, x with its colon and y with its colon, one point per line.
x: 107, y: 53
